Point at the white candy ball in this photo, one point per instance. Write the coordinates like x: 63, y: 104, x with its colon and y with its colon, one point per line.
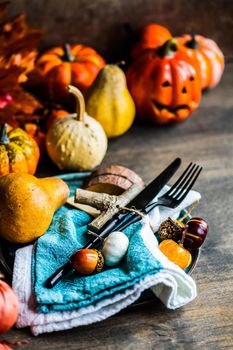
x: 114, y: 248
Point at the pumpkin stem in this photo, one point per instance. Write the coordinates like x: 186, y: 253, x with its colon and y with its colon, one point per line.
x: 120, y: 64
x: 67, y: 54
x: 192, y: 44
x: 80, y: 106
x: 168, y: 48
x: 3, y: 135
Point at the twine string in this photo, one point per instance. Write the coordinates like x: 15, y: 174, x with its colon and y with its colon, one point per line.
x: 137, y: 212
x: 95, y: 235
x: 194, y: 205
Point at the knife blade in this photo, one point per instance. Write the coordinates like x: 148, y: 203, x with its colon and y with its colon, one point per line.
x: 142, y: 199
x: 155, y: 186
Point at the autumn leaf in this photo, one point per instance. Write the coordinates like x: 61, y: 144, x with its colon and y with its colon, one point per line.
x: 18, y: 51
x: 16, y: 35
x: 5, y: 100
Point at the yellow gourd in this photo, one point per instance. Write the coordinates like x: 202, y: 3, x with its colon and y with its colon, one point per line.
x: 27, y: 205
x: 77, y: 142
x: 109, y: 101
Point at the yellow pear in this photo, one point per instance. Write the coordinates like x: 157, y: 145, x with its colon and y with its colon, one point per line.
x: 108, y: 100
x: 27, y: 205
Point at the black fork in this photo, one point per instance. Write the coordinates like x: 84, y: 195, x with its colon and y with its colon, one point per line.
x: 172, y: 198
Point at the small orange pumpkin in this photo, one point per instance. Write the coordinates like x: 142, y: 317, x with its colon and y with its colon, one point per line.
x: 151, y: 36
x: 35, y: 132
x: 56, y: 114
x: 207, y: 56
x: 164, y: 85
x: 71, y: 64
x: 176, y: 253
x: 19, y: 153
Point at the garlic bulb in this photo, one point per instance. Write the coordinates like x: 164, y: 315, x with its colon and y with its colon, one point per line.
x: 114, y: 248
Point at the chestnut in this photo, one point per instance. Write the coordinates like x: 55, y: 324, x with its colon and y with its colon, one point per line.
x: 87, y: 261
x: 195, y: 233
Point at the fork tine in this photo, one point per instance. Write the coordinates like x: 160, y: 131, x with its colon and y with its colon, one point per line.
x: 185, y: 181
x: 190, y: 185
x: 180, y: 179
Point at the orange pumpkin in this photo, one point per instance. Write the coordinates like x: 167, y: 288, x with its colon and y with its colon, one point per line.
x: 34, y: 131
x: 19, y: 153
x: 164, y: 85
x: 207, y: 56
x: 71, y: 64
x: 56, y: 114
x: 151, y: 36
x: 176, y: 253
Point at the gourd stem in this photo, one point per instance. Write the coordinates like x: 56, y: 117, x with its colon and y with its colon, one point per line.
x: 3, y: 135
x: 192, y: 44
x: 80, y: 104
x: 168, y: 48
x: 67, y: 54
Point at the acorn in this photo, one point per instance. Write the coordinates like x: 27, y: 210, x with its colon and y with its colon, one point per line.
x: 87, y: 261
x: 170, y: 229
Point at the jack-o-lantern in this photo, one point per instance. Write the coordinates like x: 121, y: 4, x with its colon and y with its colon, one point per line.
x: 165, y: 86
x: 207, y: 55
x: 151, y: 36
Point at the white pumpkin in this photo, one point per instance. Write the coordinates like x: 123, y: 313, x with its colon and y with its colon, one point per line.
x: 114, y: 248
x: 77, y: 142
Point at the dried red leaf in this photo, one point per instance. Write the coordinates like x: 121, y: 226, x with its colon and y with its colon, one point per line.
x: 5, y: 100
x: 6, y: 344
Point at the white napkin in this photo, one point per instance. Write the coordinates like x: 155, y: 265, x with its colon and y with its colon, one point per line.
x: 171, y: 285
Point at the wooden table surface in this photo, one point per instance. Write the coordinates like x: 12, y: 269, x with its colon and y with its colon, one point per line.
x: 207, y: 322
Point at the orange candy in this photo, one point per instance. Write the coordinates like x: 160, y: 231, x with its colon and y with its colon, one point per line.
x: 176, y: 253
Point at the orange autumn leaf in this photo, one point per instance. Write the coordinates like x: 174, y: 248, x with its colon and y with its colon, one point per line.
x: 18, y: 51
x: 16, y: 35
x: 18, y: 45
x: 22, y: 102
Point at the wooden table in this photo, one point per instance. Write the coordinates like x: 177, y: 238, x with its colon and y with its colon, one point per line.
x: 207, y: 322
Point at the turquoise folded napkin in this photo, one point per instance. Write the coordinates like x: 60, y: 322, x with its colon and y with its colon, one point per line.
x: 66, y: 234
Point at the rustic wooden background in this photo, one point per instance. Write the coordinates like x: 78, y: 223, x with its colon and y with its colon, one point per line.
x: 100, y: 23
x: 206, y: 138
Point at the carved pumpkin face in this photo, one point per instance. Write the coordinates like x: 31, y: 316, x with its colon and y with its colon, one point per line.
x: 207, y: 56
x: 164, y: 85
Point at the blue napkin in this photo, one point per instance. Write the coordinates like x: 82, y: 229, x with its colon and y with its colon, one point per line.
x: 66, y: 234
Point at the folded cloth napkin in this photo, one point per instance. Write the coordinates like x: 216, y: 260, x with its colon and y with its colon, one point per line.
x: 79, y: 301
